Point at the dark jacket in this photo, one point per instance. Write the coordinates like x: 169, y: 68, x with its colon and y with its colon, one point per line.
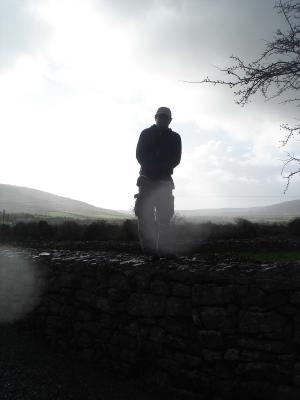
x: 158, y: 152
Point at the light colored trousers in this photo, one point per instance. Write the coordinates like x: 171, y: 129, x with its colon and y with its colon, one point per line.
x: 154, y: 207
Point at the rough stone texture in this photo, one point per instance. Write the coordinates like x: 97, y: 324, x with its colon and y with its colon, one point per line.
x: 224, y: 331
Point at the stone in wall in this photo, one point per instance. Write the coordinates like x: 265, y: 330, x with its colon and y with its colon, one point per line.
x: 230, y: 330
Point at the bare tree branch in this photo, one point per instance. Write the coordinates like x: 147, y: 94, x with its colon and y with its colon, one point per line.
x: 275, y: 74
x: 291, y: 158
x: 291, y: 132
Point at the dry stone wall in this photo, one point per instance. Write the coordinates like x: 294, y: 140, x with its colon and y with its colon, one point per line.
x: 224, y: 331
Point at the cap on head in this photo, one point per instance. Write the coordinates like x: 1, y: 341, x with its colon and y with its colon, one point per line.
x: 165, y: 111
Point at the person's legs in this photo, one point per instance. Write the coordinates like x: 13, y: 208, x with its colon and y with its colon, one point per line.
x: 147, y: 229
x: 164, y: 212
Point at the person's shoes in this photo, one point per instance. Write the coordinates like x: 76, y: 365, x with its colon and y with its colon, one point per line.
x: 169, y: 256
x: 152, y: 257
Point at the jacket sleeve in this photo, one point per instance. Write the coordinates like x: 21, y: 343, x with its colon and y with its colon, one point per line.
x: 175, y: 155
x: 177, y: 152
x: 165, y: 167
x: 142, y: 151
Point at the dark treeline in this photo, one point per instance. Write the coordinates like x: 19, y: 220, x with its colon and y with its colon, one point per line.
x: 127, y: 230
x: 68, y: 230
x: 14, y: 218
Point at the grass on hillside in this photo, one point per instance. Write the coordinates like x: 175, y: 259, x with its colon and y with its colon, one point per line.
x: 273, y: 256
x: 65, y: 214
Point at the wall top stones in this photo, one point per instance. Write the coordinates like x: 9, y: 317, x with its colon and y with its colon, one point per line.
x: 192, y: 324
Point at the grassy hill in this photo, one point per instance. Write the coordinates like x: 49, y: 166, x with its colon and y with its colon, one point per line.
x: 23, y: 200
x: 276, y: 212
x: 19, y: 199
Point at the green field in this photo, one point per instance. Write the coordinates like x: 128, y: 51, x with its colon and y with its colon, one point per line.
x: 267, y: 256
x: 273, y: 256
x: 64, y: 214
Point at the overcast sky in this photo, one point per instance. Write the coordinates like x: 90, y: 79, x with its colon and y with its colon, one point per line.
x: 79, y: 81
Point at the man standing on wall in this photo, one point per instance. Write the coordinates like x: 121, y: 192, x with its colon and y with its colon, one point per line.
x: 158, y: 152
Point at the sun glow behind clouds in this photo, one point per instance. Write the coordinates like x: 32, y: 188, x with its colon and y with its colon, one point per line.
x: 89, y: 50
x: 64, y: 108
x: 81, y: 104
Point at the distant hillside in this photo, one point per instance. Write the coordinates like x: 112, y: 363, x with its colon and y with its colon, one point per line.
x: 18, y: 199
x: 280, y: 211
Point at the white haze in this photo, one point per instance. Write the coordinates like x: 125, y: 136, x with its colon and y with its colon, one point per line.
x: 20, y: 285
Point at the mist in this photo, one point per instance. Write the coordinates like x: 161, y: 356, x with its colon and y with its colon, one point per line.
x: 20, y: 285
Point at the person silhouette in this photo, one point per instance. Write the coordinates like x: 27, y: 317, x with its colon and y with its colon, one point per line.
x: 158, y: 152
